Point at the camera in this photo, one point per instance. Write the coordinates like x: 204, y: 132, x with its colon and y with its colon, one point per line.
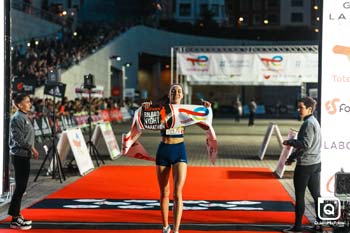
x: 329, y: 208
x: 89, y: 82
x: 342, y: 185
x: 54, y: 76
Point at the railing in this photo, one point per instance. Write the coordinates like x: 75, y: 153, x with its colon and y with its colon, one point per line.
x: 29, y: 9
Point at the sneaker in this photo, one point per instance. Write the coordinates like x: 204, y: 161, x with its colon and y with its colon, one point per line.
x: 18, y: 223
x: 26, y: 221
x: 317, y: 228
x: 292, y: 229
x: 166, y: 229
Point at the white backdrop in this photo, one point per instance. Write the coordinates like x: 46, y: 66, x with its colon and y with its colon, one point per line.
x: 335, y: 99
x: 285, y: 69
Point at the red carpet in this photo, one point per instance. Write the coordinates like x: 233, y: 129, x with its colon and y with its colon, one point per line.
x: 129, y: 194
x: 118, y: 231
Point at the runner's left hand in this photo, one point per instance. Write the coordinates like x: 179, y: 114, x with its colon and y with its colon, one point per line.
x: 206, y: 104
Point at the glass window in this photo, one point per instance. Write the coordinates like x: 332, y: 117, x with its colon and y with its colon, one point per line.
x: 244, y: 5
x: 215, y: 9
x: 297, y: 17
x: 257, y: 19
x: 273, y: 18
x: 257, y: 4
x: 185, y: 9
x: 297, y: 3
x: 271, y: 4
x: 203, y: 8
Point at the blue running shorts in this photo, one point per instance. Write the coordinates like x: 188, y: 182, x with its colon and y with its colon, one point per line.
x: 170, y: 154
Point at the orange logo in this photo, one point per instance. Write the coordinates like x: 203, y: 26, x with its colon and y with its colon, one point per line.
x: 20, y: 86
x: 330, y: 184
x: 331, y: 106
x: 76, y: 141
x: 343, y: 50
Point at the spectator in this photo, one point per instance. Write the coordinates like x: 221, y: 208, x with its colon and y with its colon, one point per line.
x: 252, y: 109
x: 237, y: 109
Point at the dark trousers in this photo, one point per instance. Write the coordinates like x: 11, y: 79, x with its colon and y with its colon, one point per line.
x: 251, y: 118
x: 305, y: 176
x: 22, y: 169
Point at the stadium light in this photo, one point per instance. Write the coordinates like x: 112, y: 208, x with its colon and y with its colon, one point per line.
x: 125, y: 65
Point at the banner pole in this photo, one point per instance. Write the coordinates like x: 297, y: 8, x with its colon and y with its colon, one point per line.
x: 172, y: 66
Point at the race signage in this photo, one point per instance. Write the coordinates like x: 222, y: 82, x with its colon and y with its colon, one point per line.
x: 286, y: 151
x: 105, y: 130
x: 73, y: 139
x: 270, y: 129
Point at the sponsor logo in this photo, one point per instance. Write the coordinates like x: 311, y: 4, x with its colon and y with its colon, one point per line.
x: 199, y: 113
x: 331, y: 106
x: 21, y: 86
x: 335, y: 106
x: 330, y: 184
x: 199, y: 61
x: 199, y: 64
x: 341, y: 78
x: 149, y: 204
x: 342, y: 50
x: 55, y: 92
x: 336, y: 145
x: 271, y: 63
x: 328, y: 208
x: 234, y: 63
x: 76, y: 140
x: 340, y: 16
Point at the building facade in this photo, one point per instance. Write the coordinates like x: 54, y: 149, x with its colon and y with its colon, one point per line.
x: 193, y: 11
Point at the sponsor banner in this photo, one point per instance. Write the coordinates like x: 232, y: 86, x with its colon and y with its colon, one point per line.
x: 116, y: 115
x: 37, y: 130
x: 45, y: 126
x: 73, y: 139
x: 105, y: 130
x: 248, y: 69
x: 171, y: 117
x: 24, y: 85
x: 55, y: 89
x: 105, y: 115
x: 137, y: 151
x: 96, y: 92
x: 335, y: 99
x: 125, y: 114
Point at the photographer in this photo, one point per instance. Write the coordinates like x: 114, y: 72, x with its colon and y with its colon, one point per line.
x: 308, y: 168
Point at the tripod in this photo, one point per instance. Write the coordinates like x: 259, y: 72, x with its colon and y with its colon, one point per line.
x: 92, y: 148
x: 52, y: 151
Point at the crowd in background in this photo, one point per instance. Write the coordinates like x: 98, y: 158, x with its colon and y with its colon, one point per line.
x: 65, y: 106
x: 37, y: 58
